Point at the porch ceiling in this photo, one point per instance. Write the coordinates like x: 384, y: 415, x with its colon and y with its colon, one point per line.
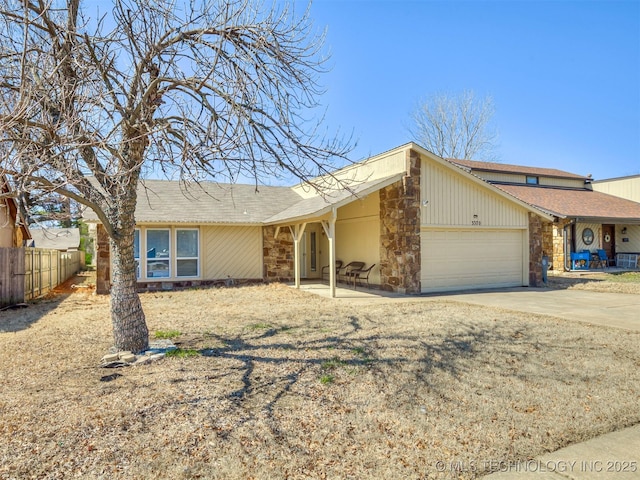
x: 319, y: 206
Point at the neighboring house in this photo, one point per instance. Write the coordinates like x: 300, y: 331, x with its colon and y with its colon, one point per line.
x: 584, y: 219
x: 625, y: 187
x: 13, y: 231
x: 427, y: 224
x: 62, y: 239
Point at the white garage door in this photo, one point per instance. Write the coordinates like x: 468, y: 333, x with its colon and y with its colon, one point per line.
x: 465, y: 259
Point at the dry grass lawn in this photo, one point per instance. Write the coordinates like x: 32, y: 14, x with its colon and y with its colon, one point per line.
x: 290, y: 385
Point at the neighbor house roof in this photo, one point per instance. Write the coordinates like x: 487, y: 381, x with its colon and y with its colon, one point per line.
x: 56, y: 238
x: 576, y: 203
x: 507, y: 168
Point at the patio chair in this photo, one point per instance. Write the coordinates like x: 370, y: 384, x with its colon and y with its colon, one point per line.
x: 604, y: 260
x: 325, y: 270
x: 359, y: 275
x: 345, y: 272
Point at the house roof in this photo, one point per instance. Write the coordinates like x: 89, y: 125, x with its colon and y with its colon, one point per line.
x: 507, y: 168
x: 56, y: 238
x: 163, y: 201
x: 576, y: 203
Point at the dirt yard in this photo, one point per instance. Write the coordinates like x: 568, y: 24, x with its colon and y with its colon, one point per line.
x: 284, y: 384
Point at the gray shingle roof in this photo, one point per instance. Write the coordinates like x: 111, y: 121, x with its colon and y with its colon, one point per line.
x: 163, y: 201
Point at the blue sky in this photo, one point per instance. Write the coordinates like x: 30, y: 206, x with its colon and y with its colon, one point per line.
x: 564, y: 75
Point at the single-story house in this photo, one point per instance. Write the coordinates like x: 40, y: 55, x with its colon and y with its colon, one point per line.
x: 427, y: 225
x: 13, y: 230
x: 62, y: 239
x: 585, y: 218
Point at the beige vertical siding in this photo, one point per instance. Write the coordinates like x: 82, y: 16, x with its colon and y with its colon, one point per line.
x: 633, y: 234
x: 628, y: 188
x: 230, y: 251
x: 454, y: 200
x: 597, y: 233
x: 375, y: 168
x: 358, y: 233
x: 562, y: 182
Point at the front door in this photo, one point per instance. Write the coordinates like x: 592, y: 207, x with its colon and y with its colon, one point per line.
x: 609, y: 241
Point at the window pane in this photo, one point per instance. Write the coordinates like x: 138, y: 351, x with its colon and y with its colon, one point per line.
x: 157, y: 268
x: 157, y: 243
x: 187, y: 268
x: 157, y: 253
x: 187, y: 243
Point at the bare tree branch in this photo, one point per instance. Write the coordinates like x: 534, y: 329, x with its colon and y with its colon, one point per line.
x: 220, y: 90
x: 456, y: 126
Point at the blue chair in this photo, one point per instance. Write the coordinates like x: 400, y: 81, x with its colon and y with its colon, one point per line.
x: 604, y: 260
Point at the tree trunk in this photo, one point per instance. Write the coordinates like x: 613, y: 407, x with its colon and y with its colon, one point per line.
x: 129, y: 327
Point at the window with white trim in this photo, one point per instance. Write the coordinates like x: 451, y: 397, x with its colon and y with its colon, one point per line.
x: 187, y: 252
x: 158, y: 253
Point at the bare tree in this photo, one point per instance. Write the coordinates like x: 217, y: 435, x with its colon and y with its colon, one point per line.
x: 456, y: 126
x: 205, y: 89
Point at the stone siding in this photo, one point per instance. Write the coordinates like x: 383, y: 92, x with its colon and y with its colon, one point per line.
x: 553, y: 243
x: 278, y: 255
x: 535, y: 250
x: 400, y: 232
x: 103, y: 261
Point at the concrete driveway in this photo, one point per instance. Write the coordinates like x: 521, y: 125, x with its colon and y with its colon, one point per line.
x: 619, y: 310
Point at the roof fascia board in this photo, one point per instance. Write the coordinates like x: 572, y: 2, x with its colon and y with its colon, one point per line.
x: 614, y: 179
x: 607, y: 220
x: 161, y: 224
x: 479, y: 181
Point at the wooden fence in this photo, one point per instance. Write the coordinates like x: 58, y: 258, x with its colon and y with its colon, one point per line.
x: 28, y: 273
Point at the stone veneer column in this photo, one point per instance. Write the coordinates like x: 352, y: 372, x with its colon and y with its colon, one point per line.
x: 400, y: 261
x: 103, y: 261
x: 535, y: 250
x: 277, y: 255
x: 558, y: 244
